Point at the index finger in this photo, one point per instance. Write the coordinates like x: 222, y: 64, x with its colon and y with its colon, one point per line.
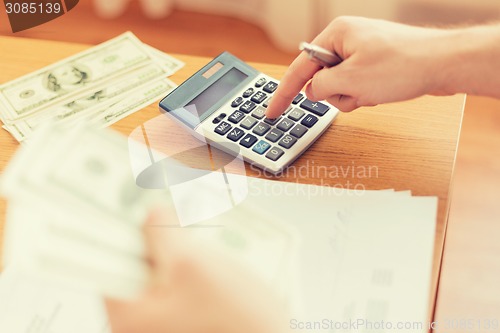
x: 298, y: 74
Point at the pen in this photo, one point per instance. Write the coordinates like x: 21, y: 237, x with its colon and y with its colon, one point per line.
x: 320, y: 55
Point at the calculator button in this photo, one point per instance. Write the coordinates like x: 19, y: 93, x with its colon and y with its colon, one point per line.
x: 272, y: 121
x: 248, y: 122
x: 315, y: 107
x: 298, y: 98
x: 288, y: 110
x: 274, y: 154
x: 259, y: 97
x: 296, y: 114
x: 219, y: 118
x: 267, y: 101
x: 309, y: 120
x: 270, y: 87
x: 261, y: 129
x: 262, y: 81
x: 247, y: 107
x: 274, y: 135
x: 298, y: 131
x: 261, y: 147
x: 287, y: 142
x: 248, y: 141
x: 237, y: 102
x: 249, y: 92
x: 259, y: 113
x: 236, y: 117
x: 235, y: 134
x: 223, y: 128
x: 285, y: 124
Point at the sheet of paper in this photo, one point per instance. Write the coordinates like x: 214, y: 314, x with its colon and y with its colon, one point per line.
x: 343, y: 256
x: 363, y: 258
x: 32, y: 305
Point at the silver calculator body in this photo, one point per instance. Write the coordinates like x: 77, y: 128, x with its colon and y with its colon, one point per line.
x: 224, y: 104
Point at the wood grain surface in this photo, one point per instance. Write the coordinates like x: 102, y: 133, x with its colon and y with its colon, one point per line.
x: 412, y: 145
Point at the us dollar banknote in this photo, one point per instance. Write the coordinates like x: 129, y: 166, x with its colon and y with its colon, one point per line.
x: 114, y: 85
x: 97, y: 101
x: 76, y: 213
x: 72, y: 76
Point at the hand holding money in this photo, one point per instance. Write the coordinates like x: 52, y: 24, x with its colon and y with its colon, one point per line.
x: 194, y: 290
x: 75, y: 215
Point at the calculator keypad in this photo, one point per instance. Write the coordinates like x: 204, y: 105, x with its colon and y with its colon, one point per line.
x: 248, y: 122
x: 259, y: 97
x: 249, y: 92
x: 248, y: 141
x: 236, y: 117
x: 298, y: 98
x: 275, y: 153
x: 237, y: 102
x: 309, y: 120
x: 287, y: 142
x: 248, y: 106
x: 259, y: 112
x: 274, y: 135
x: 267, y: 101
x: 260, y: 82
x: 272, y: 121
x: 263, y: 136
x: 261, y: 147
x: 270, y: 87
x: 235, y: 134
x: 298, y: 131
x: 315, y: 107
x: 296, y: 114
x: 261, y: 129
x: 223, y: 128
x: 285, y: 124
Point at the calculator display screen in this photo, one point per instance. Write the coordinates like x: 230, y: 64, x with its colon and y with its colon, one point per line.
x: 218, y: 90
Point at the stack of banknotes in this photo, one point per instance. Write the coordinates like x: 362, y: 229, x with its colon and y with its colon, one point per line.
x: 100, y: 85
x: 74, y: 220
x: 75, y: 216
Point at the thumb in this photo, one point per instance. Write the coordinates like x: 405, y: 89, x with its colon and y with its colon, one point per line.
x: 328, y: 82
x: 343, y: 102
x: 157, y: 235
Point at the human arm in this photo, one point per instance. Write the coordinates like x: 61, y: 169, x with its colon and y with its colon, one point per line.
x: 387, y: 62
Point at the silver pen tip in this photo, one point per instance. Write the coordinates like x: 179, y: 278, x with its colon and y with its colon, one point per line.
x: 303, y: 46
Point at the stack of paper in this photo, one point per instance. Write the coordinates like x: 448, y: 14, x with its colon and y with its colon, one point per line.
x: 338, y: 258
x: 102, y: 84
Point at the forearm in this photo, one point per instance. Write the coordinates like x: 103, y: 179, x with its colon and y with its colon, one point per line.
x: 470, y: 61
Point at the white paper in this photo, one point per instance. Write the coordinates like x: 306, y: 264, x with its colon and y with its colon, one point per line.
x: 32, y: 305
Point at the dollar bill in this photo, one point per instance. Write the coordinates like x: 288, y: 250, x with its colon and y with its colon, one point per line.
x: 171, y: 63
x: 83, y: 225
x: 139, y: 100
x: 115, y: 95
x: 118, y: 95
x: 79, y: 170
x: 73, y: 75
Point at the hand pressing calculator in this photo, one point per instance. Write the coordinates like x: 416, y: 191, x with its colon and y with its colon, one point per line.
x: 224, y: 103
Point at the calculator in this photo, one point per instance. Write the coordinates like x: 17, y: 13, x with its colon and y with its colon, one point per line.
x: 224, y: 104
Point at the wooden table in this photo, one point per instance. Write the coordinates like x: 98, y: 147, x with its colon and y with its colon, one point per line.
x: 412, y: 144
